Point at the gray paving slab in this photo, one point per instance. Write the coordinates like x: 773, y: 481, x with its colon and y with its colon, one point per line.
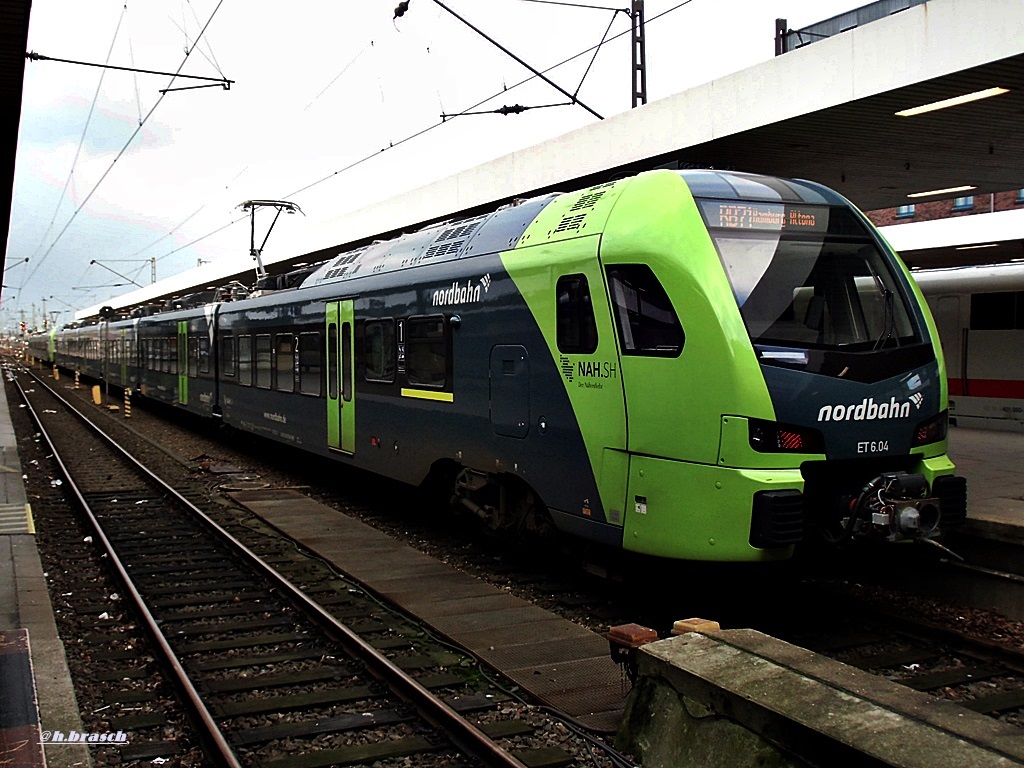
x: 25, y: 603
x: 58, y: 707
x: 540, y: 651
x: 485, y: 642
x: 458, y: 604
x: 569, y: 677
x: 405, y: 588
x: 993, y: 463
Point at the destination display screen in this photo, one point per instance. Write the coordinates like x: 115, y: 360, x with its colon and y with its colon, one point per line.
x: 765, y: 217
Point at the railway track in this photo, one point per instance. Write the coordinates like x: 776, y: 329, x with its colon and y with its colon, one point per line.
x: 968, y: 666
x: 269, y: 677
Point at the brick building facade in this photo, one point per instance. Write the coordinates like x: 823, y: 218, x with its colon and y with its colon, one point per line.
x: 943, y: 209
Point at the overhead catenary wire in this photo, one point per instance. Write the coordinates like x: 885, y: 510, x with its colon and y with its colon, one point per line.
x: 417, y: 134
x: 504, y: 90
x: 211, y: 58
x: 81, y: 139
x: 119, y: 155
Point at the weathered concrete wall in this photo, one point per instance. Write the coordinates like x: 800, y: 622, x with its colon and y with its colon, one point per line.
x: 665, y: 729
x: 730, y: 697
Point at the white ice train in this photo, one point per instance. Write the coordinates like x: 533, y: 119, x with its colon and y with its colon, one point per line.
x: 979, y: 312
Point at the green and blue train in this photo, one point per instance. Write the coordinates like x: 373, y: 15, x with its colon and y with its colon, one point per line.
x: 698, y: 365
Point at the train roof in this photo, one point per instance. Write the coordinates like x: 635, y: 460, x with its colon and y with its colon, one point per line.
x: 732, y: 185
x: 501, y: 229
x: 450, y: 240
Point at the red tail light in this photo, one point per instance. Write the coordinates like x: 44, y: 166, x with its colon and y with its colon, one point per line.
x: 771, y: 437
x: 931, y: 431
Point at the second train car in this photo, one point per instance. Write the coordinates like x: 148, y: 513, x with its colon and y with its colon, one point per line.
x: 699, y: 365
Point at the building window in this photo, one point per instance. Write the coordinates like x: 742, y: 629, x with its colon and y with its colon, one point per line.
x: 904, y: 212
x: 577, y: 329
x: 963, y: 203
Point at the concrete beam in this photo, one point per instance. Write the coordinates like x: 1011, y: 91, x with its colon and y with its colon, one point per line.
x: 732, y: 697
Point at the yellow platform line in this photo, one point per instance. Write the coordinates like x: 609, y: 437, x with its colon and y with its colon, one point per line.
x: 17, y: 518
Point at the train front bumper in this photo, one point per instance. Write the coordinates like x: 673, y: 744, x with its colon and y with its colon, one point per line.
x: 688, y: 511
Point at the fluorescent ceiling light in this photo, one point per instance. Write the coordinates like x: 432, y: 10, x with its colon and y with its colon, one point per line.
x: 972, y: 247
x: 941, y: 191
x: 954, y: 102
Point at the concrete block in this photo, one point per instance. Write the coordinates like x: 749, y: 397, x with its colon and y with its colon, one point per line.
x: 818, y: 711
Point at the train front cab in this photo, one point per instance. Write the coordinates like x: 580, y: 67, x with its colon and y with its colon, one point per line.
x: 786, y: 380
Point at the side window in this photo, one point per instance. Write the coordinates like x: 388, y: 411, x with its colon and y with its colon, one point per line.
x: 193, y: 356
x: 227, y: 356
x: 1002, y: 311
x: 309, y: 364
x: 647, y: 323
x: 379, y: 350
x: 204, y: 356
x: 332, y: 361
x: 263, y: 360
x: 426, y: 361
x: 577, y: 329
x: 346, y: 361
x: 245, y: 360
x: 170, y: 355
x: 284, y: 371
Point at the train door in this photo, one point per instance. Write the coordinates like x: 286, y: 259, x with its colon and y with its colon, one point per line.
x: 341, y: 403
x: 183, y: 362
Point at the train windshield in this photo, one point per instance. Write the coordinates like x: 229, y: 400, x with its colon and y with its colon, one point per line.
x: 808, y: 277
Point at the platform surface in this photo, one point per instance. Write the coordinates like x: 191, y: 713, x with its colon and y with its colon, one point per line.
x: 561, y: 663
x: 25, y: 608
x: 993, y: 463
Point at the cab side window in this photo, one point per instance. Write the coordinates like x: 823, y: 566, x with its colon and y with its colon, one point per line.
x: 577, y: 329
x: 646, y: 320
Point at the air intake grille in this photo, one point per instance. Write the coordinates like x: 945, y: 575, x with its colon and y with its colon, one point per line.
x: 451, y: 240
x: 589, y: 200
x: 778, y: 519
x: 571, y: 223
x: 343, y: 264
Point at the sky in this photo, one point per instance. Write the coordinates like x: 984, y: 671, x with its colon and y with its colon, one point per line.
x: 333, y: 106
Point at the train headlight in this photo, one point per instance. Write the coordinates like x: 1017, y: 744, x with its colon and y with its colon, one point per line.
x: 772, y: 437
x: 931, y: 431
